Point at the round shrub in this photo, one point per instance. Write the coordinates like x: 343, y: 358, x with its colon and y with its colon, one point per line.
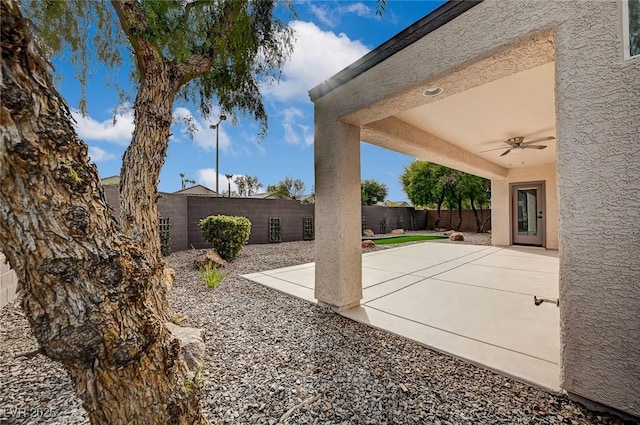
x: 226, y: 233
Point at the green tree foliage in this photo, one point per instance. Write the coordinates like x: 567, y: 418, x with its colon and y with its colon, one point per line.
x: 222, y: 50
x: 423, y: 182
x: 478, y: 191
x: 431, y: 185
x: 373, y: 191
x: 227, y: 234
x: 247, y: 185
x: 197, y: 51
x: 289, y: 187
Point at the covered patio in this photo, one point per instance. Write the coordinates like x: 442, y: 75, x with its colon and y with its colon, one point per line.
x: 454, y: 89
x: 474, y: 302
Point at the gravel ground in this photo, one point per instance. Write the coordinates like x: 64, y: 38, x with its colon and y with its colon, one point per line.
x: 271, y: 358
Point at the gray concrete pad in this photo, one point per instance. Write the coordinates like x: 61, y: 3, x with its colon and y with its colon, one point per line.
x: 474, y: 302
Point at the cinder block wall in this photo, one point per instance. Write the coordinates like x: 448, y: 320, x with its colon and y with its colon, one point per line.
x: 258, y: 211
x: 8, y: 282
x: 186, y: 212
x: 393, y: 218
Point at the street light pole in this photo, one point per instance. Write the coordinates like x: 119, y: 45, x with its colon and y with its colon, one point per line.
x: 216, y: 126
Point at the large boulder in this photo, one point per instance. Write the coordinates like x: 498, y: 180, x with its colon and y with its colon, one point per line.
x: 209, y: 258
x: 191, y: 341
x: 368, y: 233
x: 397, y: 232
x: 368, y: 244
x: 456, y: 236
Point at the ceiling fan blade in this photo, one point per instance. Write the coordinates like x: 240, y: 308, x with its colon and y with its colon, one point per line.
x: 489, y: 150
x: 505, y: 152
x: 534, y: 146
x: 542, y: 139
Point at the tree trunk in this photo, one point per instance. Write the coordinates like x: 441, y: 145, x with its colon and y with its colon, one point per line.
x: 475, y: 214
x: 485, y: 222
x: 93, y: 299
x: 438, y: 216
x: 145, y: 157
x: 459, y: 213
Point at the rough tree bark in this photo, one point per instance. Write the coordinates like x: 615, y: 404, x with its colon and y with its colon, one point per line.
x: 160, y: 80
x: 94, y: 299
x: 159, y: 83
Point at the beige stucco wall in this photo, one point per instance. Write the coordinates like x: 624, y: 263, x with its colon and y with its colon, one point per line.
x: 500, y: 203
x: 598, y: 126
x: 337, y: 212
x: 598, y: 165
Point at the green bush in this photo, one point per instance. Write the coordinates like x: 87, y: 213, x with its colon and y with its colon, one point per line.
x: 226, y: 233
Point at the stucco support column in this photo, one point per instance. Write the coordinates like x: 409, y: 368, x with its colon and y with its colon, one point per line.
x: 338, y: 281
x: 500, y: 217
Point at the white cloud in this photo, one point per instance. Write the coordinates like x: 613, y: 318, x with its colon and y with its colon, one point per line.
x: 317, y: 55
x: 202, y: 135
x: 207, y: 177
x: 323, y: 14
x: 91, y: 129
x: 330, y: 15
x: 359, y: 9
x: 96, y: 154
x: 296, y: 133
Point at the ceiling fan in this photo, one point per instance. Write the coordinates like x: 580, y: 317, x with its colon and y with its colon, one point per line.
x: 518, y: 143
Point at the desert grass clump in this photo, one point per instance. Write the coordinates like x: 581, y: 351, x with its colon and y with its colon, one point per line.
x: 212, y: 275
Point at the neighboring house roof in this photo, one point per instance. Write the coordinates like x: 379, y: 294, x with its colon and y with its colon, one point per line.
x: 308, y: 199
x: 434, y: 20
x: 110, y: 181
x: 397, y: 204
x: 197, y: 190
x: 266, y: 196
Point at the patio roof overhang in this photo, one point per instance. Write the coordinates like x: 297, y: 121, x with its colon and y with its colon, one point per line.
x: 486, y: 99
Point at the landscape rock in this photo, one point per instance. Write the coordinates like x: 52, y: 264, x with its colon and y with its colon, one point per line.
x: 368, y: 244
x: 209, y: 258
x: 191, y: 344
x: 268, y: 353
x: 456, y: 236
x: 368, y: 233
x: 397, y: 232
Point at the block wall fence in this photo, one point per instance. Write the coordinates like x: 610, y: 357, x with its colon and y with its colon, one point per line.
x: 186, y: 211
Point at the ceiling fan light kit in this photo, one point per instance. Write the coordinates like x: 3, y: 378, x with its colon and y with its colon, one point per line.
x: 433, y: 91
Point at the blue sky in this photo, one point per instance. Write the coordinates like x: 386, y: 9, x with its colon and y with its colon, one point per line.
x: 329, y: 36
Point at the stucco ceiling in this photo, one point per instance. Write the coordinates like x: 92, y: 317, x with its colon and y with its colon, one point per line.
x: 482, y: 117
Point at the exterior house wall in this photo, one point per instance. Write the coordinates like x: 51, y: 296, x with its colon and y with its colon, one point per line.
x: 598, y: 134
x: 598, y: 169
x: 501, y: 205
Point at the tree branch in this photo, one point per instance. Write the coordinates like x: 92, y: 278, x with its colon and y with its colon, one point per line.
x: 135, y: 25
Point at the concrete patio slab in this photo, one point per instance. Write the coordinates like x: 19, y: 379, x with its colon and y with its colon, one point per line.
x: 474, y: 302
